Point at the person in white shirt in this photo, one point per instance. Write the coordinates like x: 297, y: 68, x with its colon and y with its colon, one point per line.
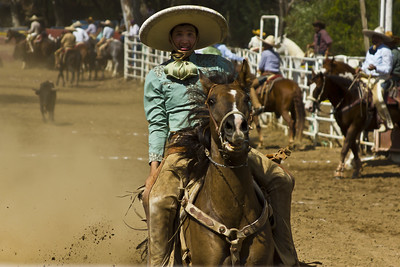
x: 80, y: 34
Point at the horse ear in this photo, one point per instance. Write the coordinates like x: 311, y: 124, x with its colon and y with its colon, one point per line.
x: 205, y: 82
x: 245, y: 77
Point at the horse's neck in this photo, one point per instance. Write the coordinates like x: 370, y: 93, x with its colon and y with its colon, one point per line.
x: 229, y: 192
x: 292, y: 48
x: 338, y: 94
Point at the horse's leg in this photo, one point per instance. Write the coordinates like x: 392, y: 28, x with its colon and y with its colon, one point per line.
x: 357, y: 165
x: 349, y: 141
x: 286, y: 116
x: 256, y: 120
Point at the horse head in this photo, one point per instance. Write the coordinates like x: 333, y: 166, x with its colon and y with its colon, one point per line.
x: 317, y: 92
x: 229, y: 110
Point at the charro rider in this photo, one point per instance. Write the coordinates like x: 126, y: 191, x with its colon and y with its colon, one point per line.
x: 67, y: 42
x: 34, y: 31
x: 180, y: 30
x: 377, y: 67
x: 268, y: 67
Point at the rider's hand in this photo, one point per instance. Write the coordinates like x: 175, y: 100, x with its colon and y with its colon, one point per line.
x: 153, y: 168
x: 371, y: 67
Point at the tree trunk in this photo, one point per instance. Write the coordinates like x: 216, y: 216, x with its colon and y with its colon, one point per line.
x: 58, y: 12
x: 364, y: 23
x: 15, y: 13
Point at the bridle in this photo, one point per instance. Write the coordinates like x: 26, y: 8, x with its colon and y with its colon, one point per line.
x: 218, y: 128
x: 318, y: 99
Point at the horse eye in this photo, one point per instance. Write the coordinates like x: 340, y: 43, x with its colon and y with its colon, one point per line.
x: 211, y: 101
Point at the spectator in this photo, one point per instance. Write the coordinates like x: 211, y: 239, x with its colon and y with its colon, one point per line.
x: 322, y: 41
x: 254, y: 44
x: 133, y: 28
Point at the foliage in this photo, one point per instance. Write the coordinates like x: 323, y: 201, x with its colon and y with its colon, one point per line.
x: 342, y: 17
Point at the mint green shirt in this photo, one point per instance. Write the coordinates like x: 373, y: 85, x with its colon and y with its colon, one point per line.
x: 166, y: 103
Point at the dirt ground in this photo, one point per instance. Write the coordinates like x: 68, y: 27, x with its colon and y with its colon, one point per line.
x: 62, y: 184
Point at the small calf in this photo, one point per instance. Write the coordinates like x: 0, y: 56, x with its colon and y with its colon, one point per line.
x: 47, y: 97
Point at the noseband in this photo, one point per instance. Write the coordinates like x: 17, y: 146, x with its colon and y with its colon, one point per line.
x: 318, y: 99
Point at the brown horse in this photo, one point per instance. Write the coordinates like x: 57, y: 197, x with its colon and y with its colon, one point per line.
x: 352, y: 112
x: 43, y: 50
x: 227, y: 222
x: 285, y: 98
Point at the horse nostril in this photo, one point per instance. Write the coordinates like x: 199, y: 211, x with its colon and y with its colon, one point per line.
x: 229, y: 127
x: 244, y: 127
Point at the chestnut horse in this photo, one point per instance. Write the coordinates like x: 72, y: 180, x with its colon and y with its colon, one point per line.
x: 285, y: 99
x: 226, y: 223
x: 334, y: 67
x: 352, y: 111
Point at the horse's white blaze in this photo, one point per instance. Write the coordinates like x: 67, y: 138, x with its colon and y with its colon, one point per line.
x: 238, y: 119
x: 308, y: 105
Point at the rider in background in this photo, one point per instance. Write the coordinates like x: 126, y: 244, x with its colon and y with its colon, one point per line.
x: 322, y: 41
x: 395, y: 73
x: 268, y: 67
x: 34, y: 31
x: 91, y: 30
x: 67, y: 42
x: 181, y: 30
x: 80, y: 34
x: 378, y: 65
x: 107, y: 36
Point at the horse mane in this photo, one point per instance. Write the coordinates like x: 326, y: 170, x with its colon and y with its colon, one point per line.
x: 343, y: 83
x: 195, y: 139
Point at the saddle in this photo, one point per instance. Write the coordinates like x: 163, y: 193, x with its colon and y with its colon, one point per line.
x: 265, y: 88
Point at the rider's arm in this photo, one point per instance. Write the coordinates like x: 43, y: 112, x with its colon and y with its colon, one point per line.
x: 156, y: 115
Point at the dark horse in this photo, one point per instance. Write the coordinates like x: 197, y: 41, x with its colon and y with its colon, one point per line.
x: 285, y: 98
x: 70, y: 62
x: 42, y: 51
x: 352, y: 112
x: 114, y: 52
x: 227, y: 222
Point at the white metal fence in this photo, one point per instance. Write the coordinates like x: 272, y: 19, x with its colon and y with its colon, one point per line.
x: 140, y: 59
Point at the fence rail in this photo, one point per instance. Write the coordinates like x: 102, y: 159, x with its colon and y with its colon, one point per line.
x: 140, y: 59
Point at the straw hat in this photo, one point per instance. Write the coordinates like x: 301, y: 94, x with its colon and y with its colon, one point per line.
x: 257, y: 32
x: 211, y: 25
x: 77, y: 24
x: 379, y: 31
x: 70, y: 28
x: 107, y: 23
x: 270, y: 40
x: 34, y: 17
x: 319, y: 24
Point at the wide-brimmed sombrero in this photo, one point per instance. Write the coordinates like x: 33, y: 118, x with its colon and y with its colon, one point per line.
x: 211, y: 25
x: 379, y: 31
x: 34, y: 17
x: 70, y: 28
x: 270, y: 40
x: 319, y: 24
x: 77, y: 24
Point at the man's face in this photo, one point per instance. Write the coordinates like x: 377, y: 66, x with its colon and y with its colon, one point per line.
x: 376, y: 39
x: 184, y: 37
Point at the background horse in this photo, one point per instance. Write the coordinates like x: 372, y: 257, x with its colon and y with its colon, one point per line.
x: 285, y: 99
x: 114, y: 52
x: 335, y: 67
x: 219, y: 148
x: 43, y: 50
x: 70, y: 62
x: 353, y: 113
